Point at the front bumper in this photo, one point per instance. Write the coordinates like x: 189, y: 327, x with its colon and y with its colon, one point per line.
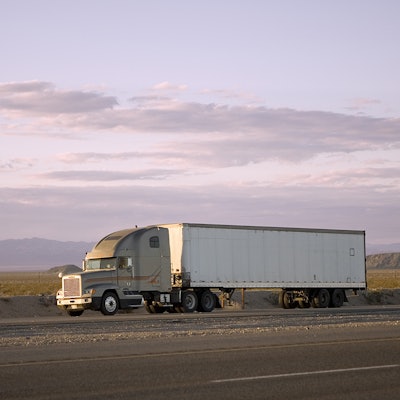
x: 75, y: 303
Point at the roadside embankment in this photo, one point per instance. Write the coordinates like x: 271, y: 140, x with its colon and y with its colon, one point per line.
x: 44, y: 306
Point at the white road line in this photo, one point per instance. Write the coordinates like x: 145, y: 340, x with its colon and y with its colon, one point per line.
x: 329, y: 371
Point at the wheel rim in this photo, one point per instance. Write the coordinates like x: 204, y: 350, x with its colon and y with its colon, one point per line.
x: 189, y: 301
x: 110, y: 304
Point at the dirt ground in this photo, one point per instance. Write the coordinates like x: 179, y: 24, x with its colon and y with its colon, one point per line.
x: 44, y: 306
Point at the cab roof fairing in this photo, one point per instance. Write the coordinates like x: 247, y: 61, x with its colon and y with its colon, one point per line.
x: 109, y: 245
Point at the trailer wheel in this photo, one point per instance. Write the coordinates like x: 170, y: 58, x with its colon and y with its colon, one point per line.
x: 322, y: 299
x: 109, y: 303
x: 286, y: 300
x: 207, y: 301
x: 337, y: 298
x: 189, y: 301
x: 147, y: 307
x: 304, y: 304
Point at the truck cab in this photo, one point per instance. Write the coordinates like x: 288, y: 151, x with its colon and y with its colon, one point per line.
x: 104, y: 285
x: 120, y: 267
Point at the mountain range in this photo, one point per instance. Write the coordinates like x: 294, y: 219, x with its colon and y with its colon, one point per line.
x: 42, y: 254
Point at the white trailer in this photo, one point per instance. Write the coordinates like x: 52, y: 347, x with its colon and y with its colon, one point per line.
x: 178, y: 267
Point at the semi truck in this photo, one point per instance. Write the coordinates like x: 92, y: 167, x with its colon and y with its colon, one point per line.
x: 182, y: 267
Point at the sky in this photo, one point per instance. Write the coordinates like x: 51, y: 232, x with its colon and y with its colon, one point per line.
x: 270, y: 113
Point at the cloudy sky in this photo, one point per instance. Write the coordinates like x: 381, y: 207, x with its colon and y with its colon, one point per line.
x: 122, y: 113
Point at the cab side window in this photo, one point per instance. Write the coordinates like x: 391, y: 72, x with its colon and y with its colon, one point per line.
x: 123, y: 262
x: 154, y: 242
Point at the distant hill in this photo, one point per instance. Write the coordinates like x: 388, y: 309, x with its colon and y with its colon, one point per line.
x: 383, y: 248
x: 41, y: 253
x: 384, y: 261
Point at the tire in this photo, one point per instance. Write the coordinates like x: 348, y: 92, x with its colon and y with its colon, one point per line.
x: 207, y: 301
x: 156, y: 309
x: 74, y: 313
x: 282, y: 294
x: 322, y: 299
x: 337, y: 298
x: 147, y: 307
x: 178, y: 308
x: 304, y: 304
x: 109, y: 303
x: 285, y: 300
x: 189, y: 301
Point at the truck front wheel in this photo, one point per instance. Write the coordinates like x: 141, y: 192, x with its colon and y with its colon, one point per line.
x: 109, y: 303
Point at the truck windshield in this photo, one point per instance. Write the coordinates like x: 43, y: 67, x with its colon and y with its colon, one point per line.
x: 101, y: 263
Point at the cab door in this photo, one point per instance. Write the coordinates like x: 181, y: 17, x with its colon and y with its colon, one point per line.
x: 125, y: 272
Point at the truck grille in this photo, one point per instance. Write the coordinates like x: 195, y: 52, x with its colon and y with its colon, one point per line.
x: 72, y: 286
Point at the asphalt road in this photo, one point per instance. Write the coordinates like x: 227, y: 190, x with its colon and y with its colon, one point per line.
x: 354, y: 356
